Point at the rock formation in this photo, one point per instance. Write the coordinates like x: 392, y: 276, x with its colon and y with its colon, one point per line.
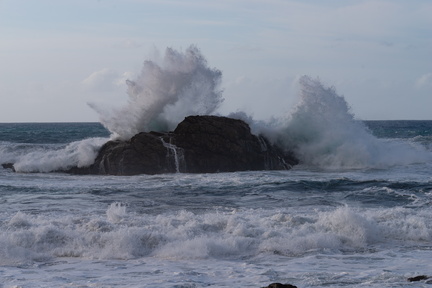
x: 279, y: 285
x: 199, y: 144
x: 8, y: 166
x: 418, y: 278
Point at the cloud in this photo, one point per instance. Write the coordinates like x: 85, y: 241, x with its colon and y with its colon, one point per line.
x: 425, y: 81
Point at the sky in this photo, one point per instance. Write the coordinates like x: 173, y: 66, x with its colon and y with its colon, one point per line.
x: 58, y: 56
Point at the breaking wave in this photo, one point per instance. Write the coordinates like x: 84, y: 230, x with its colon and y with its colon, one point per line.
x: 321, y: 129
x: 212, y: 235
x: 323, y: 132
x: 49, y: 157
x: 166, y: 91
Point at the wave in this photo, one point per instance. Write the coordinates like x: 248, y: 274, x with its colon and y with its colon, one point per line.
x: 48, y: 158
x: 167, y: 90
x: 321, y: 129
x: 323, y: 133
x: 237, y: 234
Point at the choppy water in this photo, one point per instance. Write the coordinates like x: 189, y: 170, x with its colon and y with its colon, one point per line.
x: 311, y: 227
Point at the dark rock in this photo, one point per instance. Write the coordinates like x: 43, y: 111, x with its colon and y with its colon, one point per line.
x: 199, y: 144
x: 279, y: 285
x: 418, y: 278
x: 8, y: 166
x: 219, y: 144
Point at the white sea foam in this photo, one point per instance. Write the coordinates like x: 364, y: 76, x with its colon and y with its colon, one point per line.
x: 46, y: 158
x: 116, y: 212
x: 221, y: 229
x: 185, y: 235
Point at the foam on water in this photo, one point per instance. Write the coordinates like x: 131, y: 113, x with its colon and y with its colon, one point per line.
x: 46, y: 158
x: 227, y: 229
x: 231, y: 235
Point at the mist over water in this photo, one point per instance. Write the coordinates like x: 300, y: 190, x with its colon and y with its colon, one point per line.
x: 167, y: 90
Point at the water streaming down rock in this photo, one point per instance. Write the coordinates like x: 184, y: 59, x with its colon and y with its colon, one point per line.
x: 264, y: 149
x: 176, y: 154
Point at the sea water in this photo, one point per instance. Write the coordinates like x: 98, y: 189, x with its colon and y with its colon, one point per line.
x: 355, y: 213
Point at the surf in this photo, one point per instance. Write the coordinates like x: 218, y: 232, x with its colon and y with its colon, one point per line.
x: 320, y: 129
x: 324, y: 133
x: 49, y: 158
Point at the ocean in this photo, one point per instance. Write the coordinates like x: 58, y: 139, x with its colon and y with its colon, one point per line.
x: 309, y: 226
x: 356, y: 212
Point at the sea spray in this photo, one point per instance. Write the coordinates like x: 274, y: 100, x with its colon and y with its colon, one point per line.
x: 321, y: 129
x: 166, y: 91
x: 323, y: 132
x: 47, y: 158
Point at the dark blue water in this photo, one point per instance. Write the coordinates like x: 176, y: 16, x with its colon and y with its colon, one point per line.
x: 50, y: 133
x: 69, y: 132
x: 400, y: 128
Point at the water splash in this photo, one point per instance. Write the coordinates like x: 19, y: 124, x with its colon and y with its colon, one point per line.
x: 47, y: 158
x: 166, y: 91
x: 323, y: 133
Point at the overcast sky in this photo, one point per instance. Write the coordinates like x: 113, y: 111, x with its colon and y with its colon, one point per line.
x: 57, y: 56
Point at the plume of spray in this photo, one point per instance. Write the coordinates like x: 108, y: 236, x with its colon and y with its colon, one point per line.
x: 323, y: 132
x: 178, y: 85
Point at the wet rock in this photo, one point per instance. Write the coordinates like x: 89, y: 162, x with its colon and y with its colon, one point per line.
x: 8, y: 166
x: 220, y: 144
x: 418, y: 278
x: 199, y: 144
x: 279, y: 285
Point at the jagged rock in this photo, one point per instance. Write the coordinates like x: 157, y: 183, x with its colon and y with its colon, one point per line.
x: 418, y: 278
x: 279, y: 285
x: 220, y: 144
x: 199, y: 144
x: 8, y: 166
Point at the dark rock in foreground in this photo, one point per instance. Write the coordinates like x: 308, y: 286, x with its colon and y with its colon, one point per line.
x: 418, y: 278
x: 199, y: 144
x: 279, y: 285
x: 8, y: 166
